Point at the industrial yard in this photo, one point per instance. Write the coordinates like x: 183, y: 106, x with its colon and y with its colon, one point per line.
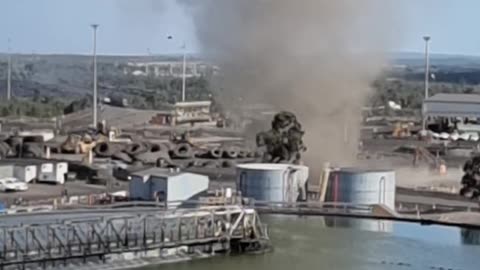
x: 285, y: 142
x: 149, y: 187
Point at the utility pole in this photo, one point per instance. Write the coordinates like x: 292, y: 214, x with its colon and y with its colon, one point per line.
x: 427, y: 78
x: 95, y: 119
x: 427, y: 65
x: 184, y: 71
x: 9, y: 73
x: 184, y: 68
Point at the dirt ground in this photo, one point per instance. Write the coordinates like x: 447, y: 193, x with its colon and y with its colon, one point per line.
x: 47, y: 191
x: 410, y: 177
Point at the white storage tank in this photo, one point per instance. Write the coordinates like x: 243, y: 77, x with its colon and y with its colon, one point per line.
x: 272, y: 182
x: 362, y: 186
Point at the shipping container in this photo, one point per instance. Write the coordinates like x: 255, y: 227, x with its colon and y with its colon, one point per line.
x: 28, y: 170
x: 53, y: 172
x: 6, y: 170
x: 25, y: 173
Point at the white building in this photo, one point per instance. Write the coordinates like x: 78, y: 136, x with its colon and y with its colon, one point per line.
x: 167, y: 185
x: 169, y: 69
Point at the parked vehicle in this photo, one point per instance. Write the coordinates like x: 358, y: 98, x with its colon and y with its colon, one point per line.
x: 12, y: 184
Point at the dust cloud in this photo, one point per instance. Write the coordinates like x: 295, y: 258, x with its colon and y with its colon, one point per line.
x: 315, y: 58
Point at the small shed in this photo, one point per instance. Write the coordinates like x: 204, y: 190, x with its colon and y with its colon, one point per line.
x: 43, y: 170
x: 22, y: 170
x: 51, y: 171
x: 6, y: 170
x: 167, y: 185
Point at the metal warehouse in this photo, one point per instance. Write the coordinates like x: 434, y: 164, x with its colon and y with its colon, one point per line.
x: 452, y: 105
x: 166, y: 185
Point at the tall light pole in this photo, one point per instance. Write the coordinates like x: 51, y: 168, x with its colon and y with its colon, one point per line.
x: 9, y: 73
x: 184, y: 79
x: 427, y: 78
x: 427, y: 65
x: 184, y: 68
x: 95, y: 119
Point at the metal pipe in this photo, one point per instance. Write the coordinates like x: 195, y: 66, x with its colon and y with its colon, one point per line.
x: 95, y: 117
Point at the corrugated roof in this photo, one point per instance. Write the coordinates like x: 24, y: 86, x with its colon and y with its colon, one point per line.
x: 192, y: 104
x: 157, y: 172
x: 455, y: 98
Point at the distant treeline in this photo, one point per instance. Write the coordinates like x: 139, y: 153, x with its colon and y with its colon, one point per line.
x: 28, y: 107
x: 141, y: 93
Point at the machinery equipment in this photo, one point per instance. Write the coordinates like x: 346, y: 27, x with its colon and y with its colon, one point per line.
x: 471, y: 178
x: 283, y: 143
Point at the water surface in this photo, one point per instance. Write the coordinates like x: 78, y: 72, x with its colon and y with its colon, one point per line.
x: 349, y: 244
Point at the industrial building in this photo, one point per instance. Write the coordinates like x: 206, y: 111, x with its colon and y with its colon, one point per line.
x: 170, y: 69
x: 198, y: 111
x: 184, y: 112
x: 449, y: 112
x: 166, y: 185
x: 452, y: 105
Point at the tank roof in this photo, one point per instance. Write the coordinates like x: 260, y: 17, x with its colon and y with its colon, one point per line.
x: 267, y: 166
x: 363, y: 170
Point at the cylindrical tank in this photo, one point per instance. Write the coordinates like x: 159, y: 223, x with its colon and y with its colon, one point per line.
x: 272, y: 182
x: 360, y: 186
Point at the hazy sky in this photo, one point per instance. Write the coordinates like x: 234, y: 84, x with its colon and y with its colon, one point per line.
x: 136, y: 26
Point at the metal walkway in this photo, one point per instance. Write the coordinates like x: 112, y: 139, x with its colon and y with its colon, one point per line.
x: 194, y: 232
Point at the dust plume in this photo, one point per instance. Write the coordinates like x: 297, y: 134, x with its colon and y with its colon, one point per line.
x: 315, y: 58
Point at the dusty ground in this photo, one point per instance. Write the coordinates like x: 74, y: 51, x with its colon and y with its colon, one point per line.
x: 422, y: 177
x: 46, y: 191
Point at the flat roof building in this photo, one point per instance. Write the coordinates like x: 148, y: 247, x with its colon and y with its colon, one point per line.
x: 167, y: 185
x: 452, y: 105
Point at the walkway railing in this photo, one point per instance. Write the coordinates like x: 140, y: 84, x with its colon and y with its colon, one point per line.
x: 208, y: 230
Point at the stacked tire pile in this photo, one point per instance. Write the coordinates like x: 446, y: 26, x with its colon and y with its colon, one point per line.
x: 22, y: 147
x: 471, y: 178
x: 222, y: 157
x: 163, y: 155
x: 135, y: 153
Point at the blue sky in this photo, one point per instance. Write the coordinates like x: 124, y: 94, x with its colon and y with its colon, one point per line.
x: 127, y: 27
